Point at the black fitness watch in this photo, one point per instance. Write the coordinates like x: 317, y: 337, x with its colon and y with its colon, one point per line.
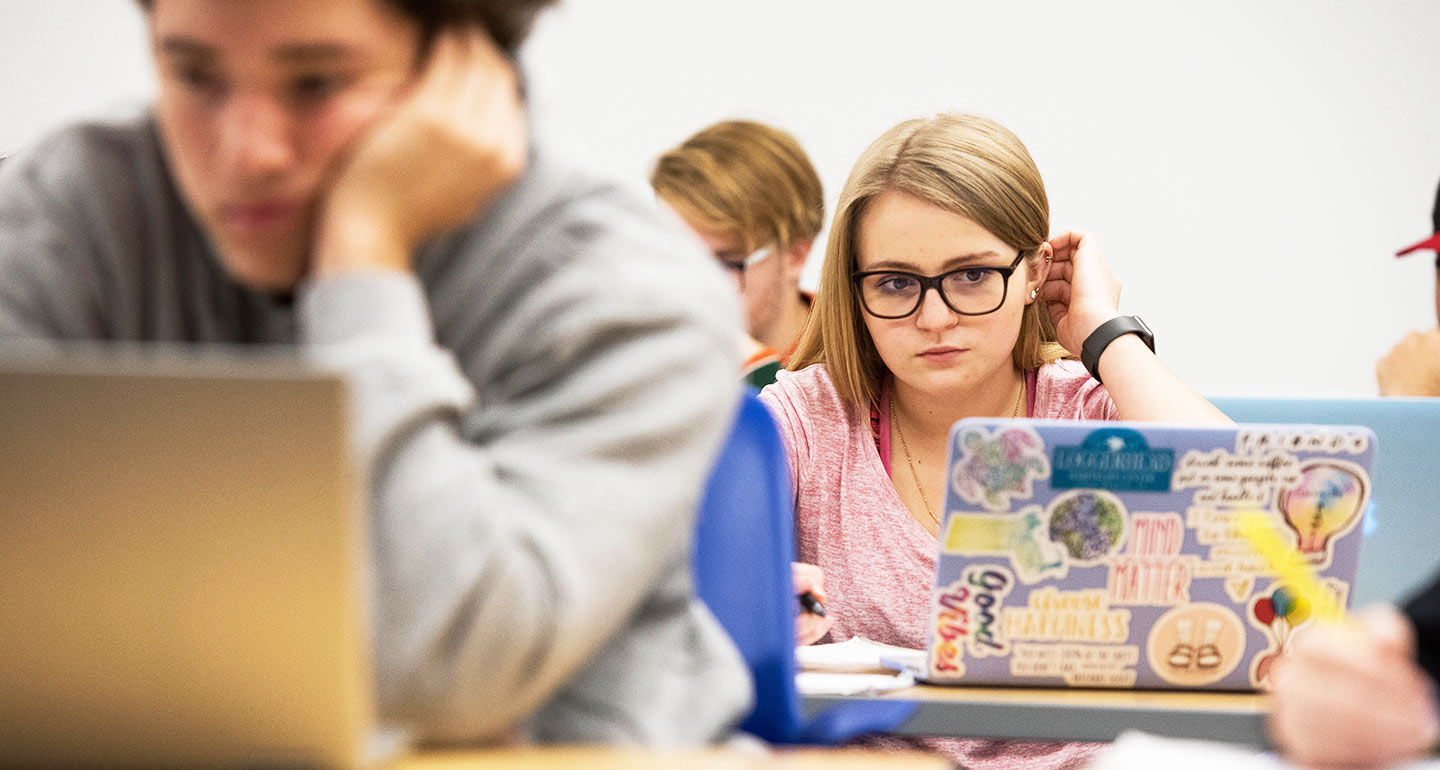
x: 1106, y: 333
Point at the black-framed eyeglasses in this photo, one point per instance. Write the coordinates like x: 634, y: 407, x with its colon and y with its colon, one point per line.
x: 975, y: 290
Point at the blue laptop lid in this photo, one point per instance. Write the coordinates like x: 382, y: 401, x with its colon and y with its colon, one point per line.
x: 1104, y: 554
x: 1399, y: 556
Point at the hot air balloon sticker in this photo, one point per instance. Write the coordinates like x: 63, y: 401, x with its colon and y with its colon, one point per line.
x: 1278, y: 615
x: 1325, y: 504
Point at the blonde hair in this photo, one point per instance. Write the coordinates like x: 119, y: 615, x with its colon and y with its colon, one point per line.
x: 967, y: 164
x: 743, y: 178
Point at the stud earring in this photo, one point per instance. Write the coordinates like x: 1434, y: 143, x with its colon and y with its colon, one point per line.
x: 1033, y: 292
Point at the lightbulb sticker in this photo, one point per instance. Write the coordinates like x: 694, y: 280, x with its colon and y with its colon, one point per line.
x: 1325, y: 504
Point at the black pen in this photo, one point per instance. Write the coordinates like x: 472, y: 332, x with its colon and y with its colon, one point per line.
x: 811, y: 604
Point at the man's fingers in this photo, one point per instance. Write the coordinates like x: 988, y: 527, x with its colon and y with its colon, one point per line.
x: 463, y: 65
x: 446, y: 64
x: 1389, y: 628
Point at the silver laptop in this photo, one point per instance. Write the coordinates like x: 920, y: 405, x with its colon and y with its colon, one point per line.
x: 181, y: 566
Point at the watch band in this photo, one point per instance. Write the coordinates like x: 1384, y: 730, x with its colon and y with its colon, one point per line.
x: 1106, y: 333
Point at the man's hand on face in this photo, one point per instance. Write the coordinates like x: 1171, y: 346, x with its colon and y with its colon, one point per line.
x: 1411, y: 368
x: 446, y: 150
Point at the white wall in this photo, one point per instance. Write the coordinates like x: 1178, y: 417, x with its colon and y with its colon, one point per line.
x: 1249, y: 167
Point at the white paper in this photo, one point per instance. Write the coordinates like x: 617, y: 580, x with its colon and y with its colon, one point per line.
x: 1139, y: 751
x: 858, y: 655
x: 820, y: 683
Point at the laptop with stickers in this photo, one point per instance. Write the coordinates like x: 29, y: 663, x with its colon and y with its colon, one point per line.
x: 1104, y: 554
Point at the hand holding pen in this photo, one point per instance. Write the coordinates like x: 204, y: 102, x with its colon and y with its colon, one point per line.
x: 813, y: 622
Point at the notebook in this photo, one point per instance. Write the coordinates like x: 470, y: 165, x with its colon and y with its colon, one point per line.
x: 1103, y: 554
x: 183, y: 565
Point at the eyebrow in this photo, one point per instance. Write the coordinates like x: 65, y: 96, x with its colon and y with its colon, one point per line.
x: 945, y: 267
x: 294, y: 53
x: 183, y: 46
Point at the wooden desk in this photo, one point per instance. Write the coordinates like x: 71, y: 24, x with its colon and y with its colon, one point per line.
x: 1073, y: 715
x: 584, y: 758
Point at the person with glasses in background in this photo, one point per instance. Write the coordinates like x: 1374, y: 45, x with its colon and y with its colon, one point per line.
x: 752, y: 197
x: 943, y: 296
x: 749, y: 192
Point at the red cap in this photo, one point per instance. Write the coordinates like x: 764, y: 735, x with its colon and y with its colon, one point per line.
x: 1433, y: 243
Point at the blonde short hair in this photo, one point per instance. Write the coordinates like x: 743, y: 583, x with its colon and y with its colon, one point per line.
x: 967, y: 164
x: 743, y: 178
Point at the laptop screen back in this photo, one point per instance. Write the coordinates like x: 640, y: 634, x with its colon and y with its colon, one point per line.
x: 180, y: 567
x: 1096, y: 554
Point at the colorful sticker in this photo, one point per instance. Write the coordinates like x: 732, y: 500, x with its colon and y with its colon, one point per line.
x: 1325, y: 503
x: 1234, y: 480
x: 968, y: 619
x: 1113, y: 458
x: 1151, y: 571
x: 1239, y: 588
x: 993, y: 468
x: 1088, y: 524
x: 1023, y: 538
x: 1196, y: 644
x: 1329, y: 440
x: 1052, y: 615
x: 1278, y: 611
x: 1078, y: 665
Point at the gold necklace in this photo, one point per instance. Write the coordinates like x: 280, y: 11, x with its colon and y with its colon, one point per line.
x: 895, y: 421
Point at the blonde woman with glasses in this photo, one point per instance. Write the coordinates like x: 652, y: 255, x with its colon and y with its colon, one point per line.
x: 942, y: 296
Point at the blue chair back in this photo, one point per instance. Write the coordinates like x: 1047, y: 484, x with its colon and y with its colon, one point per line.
x: 1398, y: 555
x: 743, y: 550
x: 744, y: 545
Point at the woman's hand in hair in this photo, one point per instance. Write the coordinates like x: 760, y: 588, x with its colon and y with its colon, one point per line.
x: 1080, y: 291
x: 450, y: 145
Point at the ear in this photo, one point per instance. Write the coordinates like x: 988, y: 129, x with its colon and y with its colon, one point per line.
x: 795, y: 255
x: 1039, y: 272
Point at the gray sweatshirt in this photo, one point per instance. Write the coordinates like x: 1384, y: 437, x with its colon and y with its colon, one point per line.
x: 538, y: 407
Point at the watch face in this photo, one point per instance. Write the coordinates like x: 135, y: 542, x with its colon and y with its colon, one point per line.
x: 1145, y: 333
